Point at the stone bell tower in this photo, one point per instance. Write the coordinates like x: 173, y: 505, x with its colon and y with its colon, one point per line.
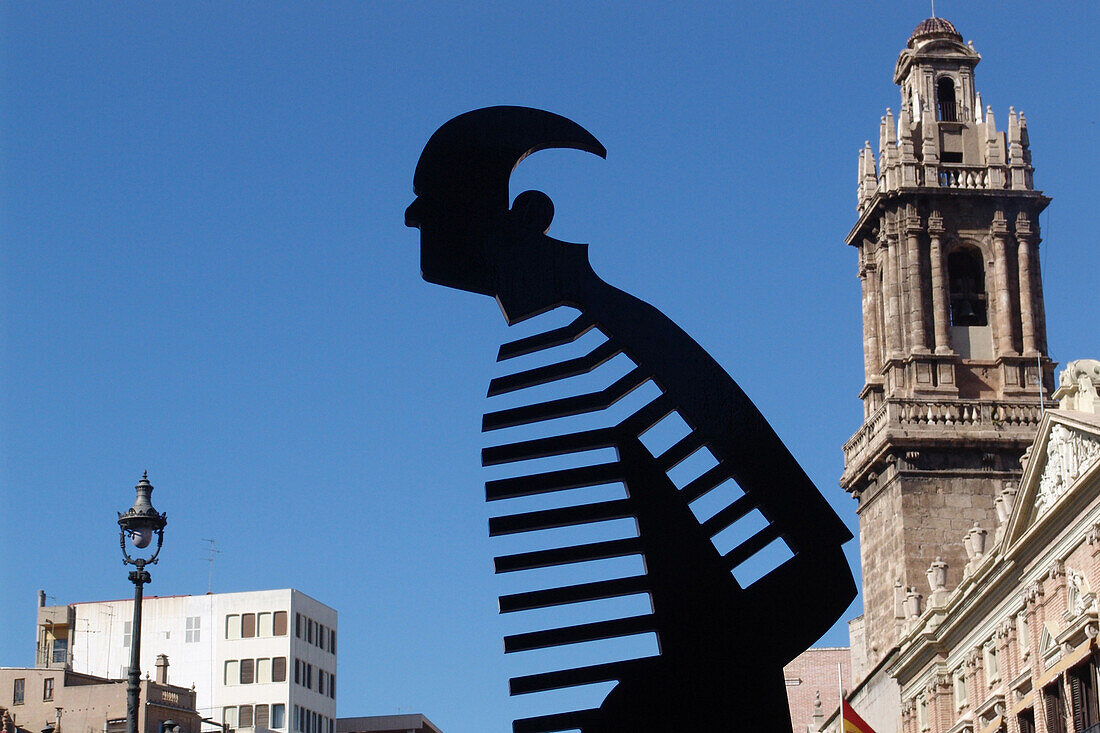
x: 954, y: 336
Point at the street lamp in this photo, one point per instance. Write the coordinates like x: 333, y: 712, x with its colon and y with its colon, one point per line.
x: 139, y: 523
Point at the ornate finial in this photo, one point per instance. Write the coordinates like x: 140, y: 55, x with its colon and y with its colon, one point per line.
x: 145, y: 475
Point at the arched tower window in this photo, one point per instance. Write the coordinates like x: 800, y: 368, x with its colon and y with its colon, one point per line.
x: 946, y: 109
x: 966, y: 278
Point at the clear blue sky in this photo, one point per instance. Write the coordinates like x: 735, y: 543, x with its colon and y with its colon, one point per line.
x: 205, y: 273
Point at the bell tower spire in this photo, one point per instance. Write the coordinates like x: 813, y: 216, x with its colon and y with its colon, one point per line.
x: 954, y: 334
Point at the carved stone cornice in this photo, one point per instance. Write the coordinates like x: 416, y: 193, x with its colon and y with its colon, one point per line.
x: 1033, y: 593
x: 1057, y: 569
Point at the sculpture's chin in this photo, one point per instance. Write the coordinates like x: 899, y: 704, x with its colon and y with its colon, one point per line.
x: 453, y: 277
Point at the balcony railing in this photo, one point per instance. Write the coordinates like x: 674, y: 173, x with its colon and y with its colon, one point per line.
x: 963, y: 177
x: 919, y: 413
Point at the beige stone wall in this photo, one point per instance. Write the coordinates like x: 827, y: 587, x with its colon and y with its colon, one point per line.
x: 880, y: 549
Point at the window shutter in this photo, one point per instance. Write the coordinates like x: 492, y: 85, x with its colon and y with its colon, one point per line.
x: 1052, y: 698
x: 1076, y: 698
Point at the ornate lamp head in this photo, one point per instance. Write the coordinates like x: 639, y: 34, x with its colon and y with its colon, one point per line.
x: 140, y: 522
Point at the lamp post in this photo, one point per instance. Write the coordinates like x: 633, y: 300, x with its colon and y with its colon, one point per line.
x: 138, y: 523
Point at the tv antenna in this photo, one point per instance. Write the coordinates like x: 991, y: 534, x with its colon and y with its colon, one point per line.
x: 210, y: 577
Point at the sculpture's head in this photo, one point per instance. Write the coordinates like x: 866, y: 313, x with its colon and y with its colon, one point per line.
x: 461, y: 186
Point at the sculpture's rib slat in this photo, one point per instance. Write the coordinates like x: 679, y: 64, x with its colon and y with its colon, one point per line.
x: 563, y: 517
x: 578, y: 719
x: 591, y: 402
x: 580, y: 633
x: 648, y: 416
x: 705, y: 483
x: 557, y: 337
x: 542, y: 483
x: 751, y: 546
x: 683, y: 448
x: 728, y: 516
x: 555, y: 445
x: 567, y: 555
x: 574, y: 594
x: 576, y: 677
x: 553, y: 372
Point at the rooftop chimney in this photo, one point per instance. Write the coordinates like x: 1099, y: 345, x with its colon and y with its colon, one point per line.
x: 41, y: 599
x: 162, y: 669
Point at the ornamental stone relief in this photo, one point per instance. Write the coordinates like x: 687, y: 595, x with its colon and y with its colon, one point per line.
x: 1069, y: 454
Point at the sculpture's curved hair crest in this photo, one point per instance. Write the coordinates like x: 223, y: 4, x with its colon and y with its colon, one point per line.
x: 472, y: 156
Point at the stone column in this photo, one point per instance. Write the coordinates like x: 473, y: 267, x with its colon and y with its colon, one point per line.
x: 872, y: 349
x: 891, y: 298
x: 1039, y: 315
x: 940, y: 285
x: 1002, y: 297
x: 1027, y: 296
x: 916, y: 284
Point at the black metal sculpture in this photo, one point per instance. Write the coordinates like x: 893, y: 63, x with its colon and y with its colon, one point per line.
x: 722, y: 646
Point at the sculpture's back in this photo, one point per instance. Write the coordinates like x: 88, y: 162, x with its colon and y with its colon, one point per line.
x: 722, y: 646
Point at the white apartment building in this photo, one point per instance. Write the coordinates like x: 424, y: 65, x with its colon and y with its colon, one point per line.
x: 259, y: 660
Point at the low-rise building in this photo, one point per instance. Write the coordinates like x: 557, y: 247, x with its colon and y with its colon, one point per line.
x: 414, y: 723
x: 59, y: 700
x: 260, y: 659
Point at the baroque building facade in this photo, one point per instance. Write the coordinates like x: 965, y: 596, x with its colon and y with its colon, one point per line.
x: 977, y: 478
x: 954, y: 335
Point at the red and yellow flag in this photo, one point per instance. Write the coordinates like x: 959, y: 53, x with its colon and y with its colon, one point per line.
x: 850, y: 722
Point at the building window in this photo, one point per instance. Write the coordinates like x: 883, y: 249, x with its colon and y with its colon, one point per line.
x: 960, y: 688
x: 248, y: 671
x: 309, y: 676
x: 332, y: 641
x: 992, y: 665
x: 1055, y: 706
x: 191, y: 632
x: 262, y: 721
x: 1023, y: 633
x: 232, y: 672
x: 1082, y: 696
x: 263, y: 670
x: 248, y: 625
x: 279, y: 623
x: 321, y: 681
x: 263, y: 624
x: 47, y: 688
x: 298, y: 625
x: 332, y: 686
x: 946, y: 109
x: 245, y: 716
x: 278, y: 669
x: 229, y: 716
x: 297, y: 671
x: 127, y: 632
x: 60, y: 650
x: 18, y: 690
x: 966, y: 278
x: 233, y: 626
x: 278, y: 715
x: 1026, y: 721
x: 309, y: 630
